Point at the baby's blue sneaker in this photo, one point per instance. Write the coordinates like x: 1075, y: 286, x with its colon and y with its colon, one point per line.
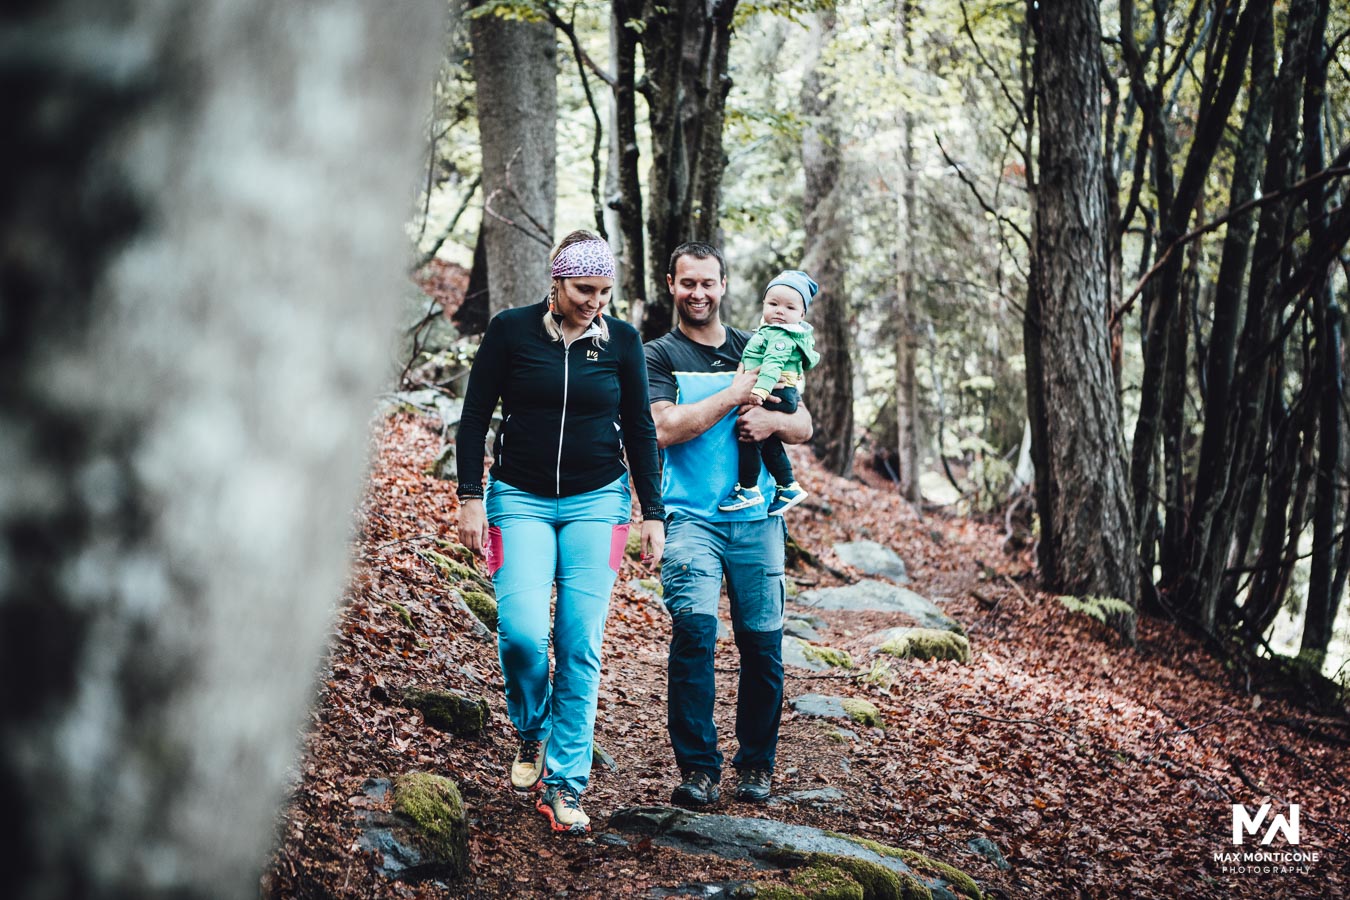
x: 787, y: 497
x: 741, y: 498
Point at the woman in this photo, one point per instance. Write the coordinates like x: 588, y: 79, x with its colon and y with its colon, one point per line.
x: 573, y: 387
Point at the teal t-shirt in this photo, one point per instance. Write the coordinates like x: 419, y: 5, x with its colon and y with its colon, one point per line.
x: 697, y: 474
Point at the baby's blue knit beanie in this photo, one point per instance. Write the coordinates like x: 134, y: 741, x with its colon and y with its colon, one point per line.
x: 800, y: 282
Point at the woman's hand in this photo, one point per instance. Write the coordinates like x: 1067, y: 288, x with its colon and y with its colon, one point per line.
x: 653, y: 541
x: 473, y: 526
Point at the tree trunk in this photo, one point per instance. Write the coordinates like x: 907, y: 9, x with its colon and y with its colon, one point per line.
x: 824, y: 255
x: 1091, y: 523
x: 906, y: 325
x: 1252, y: 388
x: 1205, y: 561
x: 1224, y: 76
x: 515, y: 80
x: 211, y: 208
x: 685, y: 47
x: 1031, y: 320
x: 627, y: 202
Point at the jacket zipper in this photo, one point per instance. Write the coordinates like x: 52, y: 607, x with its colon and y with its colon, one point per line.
x: 562, y: 420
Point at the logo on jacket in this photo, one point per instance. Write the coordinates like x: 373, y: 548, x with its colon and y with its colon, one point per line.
x: 717, y: 363
x: 592, y: 354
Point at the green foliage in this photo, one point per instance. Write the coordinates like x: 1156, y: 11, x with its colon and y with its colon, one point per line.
x: 519, y: 11
x: 1102, y: 609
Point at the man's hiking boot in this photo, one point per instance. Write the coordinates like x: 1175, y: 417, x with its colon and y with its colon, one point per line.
x: 697, y: 789
x: 752, y: 785
x: 528, y: 767
x: 787, y: 497
x: 562, y: 807
x: 741, y: 498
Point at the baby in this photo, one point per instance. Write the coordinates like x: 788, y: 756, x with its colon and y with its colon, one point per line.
x: 782, y: 347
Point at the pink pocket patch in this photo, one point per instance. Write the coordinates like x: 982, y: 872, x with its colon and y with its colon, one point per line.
x: 493, y: 551
x: 618, y: 543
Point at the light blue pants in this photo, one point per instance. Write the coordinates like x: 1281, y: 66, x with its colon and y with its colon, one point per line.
x: 576, y: 543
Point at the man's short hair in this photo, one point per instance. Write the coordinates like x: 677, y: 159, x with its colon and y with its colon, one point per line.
x: 698, y: 250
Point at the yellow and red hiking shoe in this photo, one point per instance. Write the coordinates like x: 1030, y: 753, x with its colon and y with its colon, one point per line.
x: 562, y: 807
x: 527, y: 769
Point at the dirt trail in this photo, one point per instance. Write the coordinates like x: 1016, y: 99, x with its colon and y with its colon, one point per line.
x: 1097, y: 770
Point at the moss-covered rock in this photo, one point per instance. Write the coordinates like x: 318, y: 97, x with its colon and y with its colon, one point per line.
x: 458, y: 572
x: 768, y: 890
x: 960, y: 882
x: 877, y: 881
x: 928, y: 643
x: 826, y: 882
x: 457, y: 551
x: 482, y: 606
x: 448, y: 711
x: 862, y: 712
x: 633, y: 549
x: 838, y: 659
x: 653, y: 585
x: 433, y: 806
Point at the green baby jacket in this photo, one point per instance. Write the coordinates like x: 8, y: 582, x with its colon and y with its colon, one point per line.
x: 782, y: 352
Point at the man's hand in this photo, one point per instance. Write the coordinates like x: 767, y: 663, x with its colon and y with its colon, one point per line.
x: 741, y: 386
x: 757, y: 423
x: 473, y: 525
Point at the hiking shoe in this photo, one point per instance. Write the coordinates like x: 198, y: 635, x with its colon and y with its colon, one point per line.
x: 528, y: 767
x: 787, y: 497
x: 697, y: 789
x: 562, y: 807
x: 741, y: 498
x: 752, y: 785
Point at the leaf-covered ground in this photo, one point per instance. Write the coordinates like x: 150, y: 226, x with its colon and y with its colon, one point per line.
x: 1100, y: 771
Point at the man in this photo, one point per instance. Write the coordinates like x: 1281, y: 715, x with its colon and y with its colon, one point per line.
x: 702, y: 407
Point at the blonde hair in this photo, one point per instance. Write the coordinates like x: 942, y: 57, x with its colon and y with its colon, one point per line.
x: 553, y: 329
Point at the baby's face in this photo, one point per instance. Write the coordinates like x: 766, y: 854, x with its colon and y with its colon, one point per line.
x: 783, y: 306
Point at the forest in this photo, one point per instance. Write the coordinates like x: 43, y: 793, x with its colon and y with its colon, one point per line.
x: 1065, y: 603
x: 1129, y: 250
